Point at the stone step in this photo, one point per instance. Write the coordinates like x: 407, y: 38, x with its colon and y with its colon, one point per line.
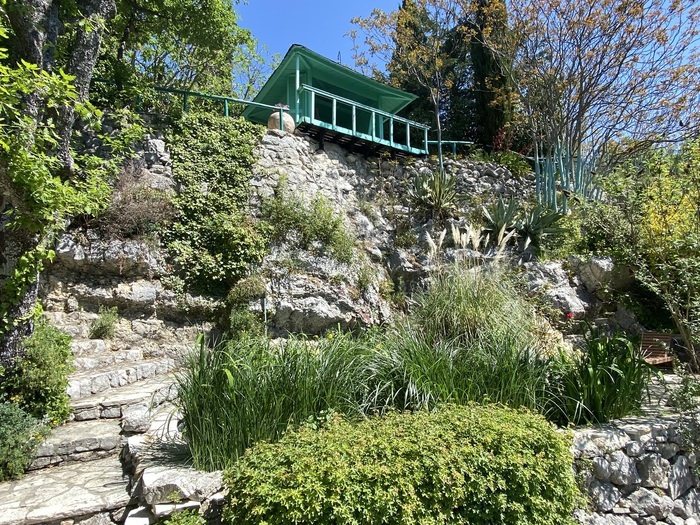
x: 87, y: 383
x: 90, y: 347
x: 65, y: 492
x: 118, y: 402
x: 80, y: 441
x: 107, y: 359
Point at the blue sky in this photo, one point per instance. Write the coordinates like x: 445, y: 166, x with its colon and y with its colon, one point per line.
x: 317, y: 24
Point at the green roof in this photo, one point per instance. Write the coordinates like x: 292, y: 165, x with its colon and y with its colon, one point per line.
x: 319, y: 72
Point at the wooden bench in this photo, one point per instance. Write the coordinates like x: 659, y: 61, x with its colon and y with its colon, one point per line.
x: 656, y: 348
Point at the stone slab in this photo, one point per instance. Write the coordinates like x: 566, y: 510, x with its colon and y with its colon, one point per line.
x: 64, y: 492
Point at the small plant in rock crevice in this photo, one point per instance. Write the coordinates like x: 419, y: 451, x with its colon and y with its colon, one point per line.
x: 313, y: 225
x: 184, y: 517
x: 103, y: 327
x: 435, y: 193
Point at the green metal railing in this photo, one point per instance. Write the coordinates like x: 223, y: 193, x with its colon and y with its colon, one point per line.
x: 377, y: 118
x: 452, y: 143
x: 228, y: 101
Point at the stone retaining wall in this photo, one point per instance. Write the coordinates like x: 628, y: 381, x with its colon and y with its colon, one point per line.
x: 637, y: 471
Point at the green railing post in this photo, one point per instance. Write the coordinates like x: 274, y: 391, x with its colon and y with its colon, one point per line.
x: 454, y: 149
x: 298, y: 86
x: 425, y: 139
x: 374, y: 124
x: 313, y: 105
x: 391, y: 130
x: 281, y: 118
x: 335, y: 111
x: 408, y: 134
x: 226, y: 108
x: 354, y: 119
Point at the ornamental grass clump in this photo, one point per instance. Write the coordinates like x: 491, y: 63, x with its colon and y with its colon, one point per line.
x: 476, y: 464
x: 607, y: 380
x: 469, y: 337
x: 250, y: 390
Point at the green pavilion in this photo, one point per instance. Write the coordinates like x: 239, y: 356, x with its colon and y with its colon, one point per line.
x: 331, y: 102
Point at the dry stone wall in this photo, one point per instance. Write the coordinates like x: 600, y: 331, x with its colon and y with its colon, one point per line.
x: 638, y: 471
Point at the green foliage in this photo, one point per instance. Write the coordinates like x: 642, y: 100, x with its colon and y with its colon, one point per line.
x: 254, y: 389
x: 471, y: 464
x: 456, y: 346
x: 185, y: 517
x: 38, y: 379
x: 20, y: 435
x: 243, y: 323
x: 569, y: 241
x: 516, y: 164
x: 214, y: 240
x: 406, y: 239
x: 434, y: 193
x: 39, y: 198
x: 501, y: 219
x: 532, y: 225
x: 476, y: 305
x: 652, y: 224
x: 606, y: 381
x: 103, y: 326
x: 161, y: 43
x: 311, y: 226
x: 536, y: 224
x: 493, y: 91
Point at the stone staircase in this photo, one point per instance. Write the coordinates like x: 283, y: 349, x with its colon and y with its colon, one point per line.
x: 81, y: 473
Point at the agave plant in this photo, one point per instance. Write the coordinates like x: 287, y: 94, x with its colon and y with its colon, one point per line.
x: 537, y: 223
x: 435, y: 192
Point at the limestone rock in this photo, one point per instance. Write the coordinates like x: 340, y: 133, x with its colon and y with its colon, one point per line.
x: 654, y: 470
x: 648, y: 503
x: 163, y: 484
x: 681, y: 478
x: 603, y: 495
x: 601, y: 273
x: 113, y: 257
x: 623, y: 470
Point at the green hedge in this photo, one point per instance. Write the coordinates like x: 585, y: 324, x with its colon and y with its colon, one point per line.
x: 470, y: 464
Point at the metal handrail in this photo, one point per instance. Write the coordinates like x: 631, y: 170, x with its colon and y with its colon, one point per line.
x: 362, y: 106
x: 226, y: 100
x: 373, y: 112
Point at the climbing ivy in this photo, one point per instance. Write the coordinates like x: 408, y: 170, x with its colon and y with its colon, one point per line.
x: 214, y: 239
x: 39, y: 194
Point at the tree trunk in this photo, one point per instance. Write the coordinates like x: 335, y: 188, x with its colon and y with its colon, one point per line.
x: 36, y: 25
x: 84, y: 54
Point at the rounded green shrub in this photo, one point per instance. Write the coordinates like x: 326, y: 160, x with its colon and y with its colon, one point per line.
x: 474, y: 464
x: 38, y: 380
x: 20, y: 435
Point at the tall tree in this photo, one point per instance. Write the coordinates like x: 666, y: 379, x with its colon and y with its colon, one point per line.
x: 595, y: 77
x: 40, y: 183
x: 185, y: 44
x: 412, y: 39
x: 493, y: 92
